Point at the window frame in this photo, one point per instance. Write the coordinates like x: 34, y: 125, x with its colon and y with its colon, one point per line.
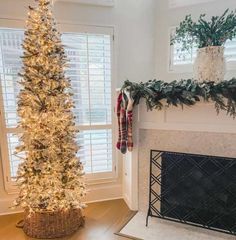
x: 187, y: 68
x: 91, y: 178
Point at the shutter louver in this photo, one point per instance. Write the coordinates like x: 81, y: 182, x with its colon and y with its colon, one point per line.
x: 96, y: 150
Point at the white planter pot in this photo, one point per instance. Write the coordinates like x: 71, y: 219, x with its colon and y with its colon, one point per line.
x: 210, y: 64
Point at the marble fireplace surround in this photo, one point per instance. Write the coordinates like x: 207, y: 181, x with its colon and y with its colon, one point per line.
x: 216, y: 144
x: 196, y: 130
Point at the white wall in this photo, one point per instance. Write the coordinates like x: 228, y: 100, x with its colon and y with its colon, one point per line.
x: 134, y: 23
x: 133, y: 20
x: 167, y: 18
x: 174, y: 119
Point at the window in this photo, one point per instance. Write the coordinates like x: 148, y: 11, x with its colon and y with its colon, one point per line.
x: 10, y: 64
x: 89, y: 69
x: 90, y: 74
x: 183, y: 61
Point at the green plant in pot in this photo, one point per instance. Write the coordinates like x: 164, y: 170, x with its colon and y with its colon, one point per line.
x: 210, y: 38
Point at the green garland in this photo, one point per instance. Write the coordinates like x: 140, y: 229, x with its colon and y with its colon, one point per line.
x: 188, y: 92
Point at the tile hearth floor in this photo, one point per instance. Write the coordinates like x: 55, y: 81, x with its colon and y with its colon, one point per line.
x: 166, y: 230
x: 102, y: 220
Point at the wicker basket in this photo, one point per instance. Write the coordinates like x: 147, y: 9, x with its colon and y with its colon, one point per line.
x: 52, y: 224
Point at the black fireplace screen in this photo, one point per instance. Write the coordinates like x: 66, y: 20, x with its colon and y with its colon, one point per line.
x: 193, y: 189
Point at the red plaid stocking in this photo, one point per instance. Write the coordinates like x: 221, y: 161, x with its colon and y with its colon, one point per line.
x: 129, y: 122
x: 118, y: 109
x: 123, y: 128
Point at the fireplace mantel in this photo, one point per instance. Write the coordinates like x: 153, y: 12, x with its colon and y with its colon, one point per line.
x: 201, y: 117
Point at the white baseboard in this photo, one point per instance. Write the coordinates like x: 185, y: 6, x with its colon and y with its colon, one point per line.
x: 5, y: 206
x: 127, y: 200
x: 96, y: 194
x: 104, y: 200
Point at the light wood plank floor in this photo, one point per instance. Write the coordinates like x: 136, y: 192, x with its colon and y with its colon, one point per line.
x: 102, y: 221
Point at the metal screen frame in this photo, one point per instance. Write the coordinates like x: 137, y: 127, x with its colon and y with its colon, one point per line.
x: 156, y: 197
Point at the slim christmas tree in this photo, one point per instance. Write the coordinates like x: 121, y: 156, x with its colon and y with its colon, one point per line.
x: 51, y: 176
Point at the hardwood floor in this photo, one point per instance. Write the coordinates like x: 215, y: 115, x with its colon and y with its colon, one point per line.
x: 102, y: 221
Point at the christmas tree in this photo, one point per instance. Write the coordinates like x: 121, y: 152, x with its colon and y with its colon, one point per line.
x: 51, y: 175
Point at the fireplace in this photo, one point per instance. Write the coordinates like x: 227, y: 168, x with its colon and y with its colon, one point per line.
x: 193, y: 189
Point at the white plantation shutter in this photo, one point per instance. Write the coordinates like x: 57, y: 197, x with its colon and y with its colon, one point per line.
x: 185, y: 58
x: 89, y: 70
x: 90, y: 74
x: 10, y: 65
x: 230, y: 50
x: 13, y: 142
x: 96, y: 150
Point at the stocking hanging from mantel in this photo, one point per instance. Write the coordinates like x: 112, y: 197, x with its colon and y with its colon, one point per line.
x: 124, y: 116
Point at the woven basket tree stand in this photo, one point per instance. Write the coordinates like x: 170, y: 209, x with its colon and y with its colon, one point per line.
x: 47, y: 225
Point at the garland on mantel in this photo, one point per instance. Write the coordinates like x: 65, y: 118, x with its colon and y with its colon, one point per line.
x: 188, y: 92
x: 159, y: 94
